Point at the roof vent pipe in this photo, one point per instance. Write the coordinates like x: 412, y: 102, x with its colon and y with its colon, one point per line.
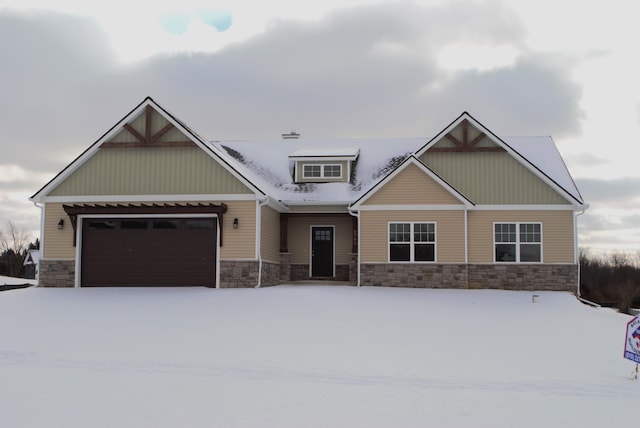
x: 293, y: 135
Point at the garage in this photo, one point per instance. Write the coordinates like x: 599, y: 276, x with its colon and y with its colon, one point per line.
x: 139, y: 252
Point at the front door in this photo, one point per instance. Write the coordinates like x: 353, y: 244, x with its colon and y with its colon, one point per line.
x: 322, y: 251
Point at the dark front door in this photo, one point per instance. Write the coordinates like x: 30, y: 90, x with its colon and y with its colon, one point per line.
x: 321, y: 251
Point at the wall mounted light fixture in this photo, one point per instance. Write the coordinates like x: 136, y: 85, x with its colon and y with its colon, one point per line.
x: 61, y: 224
x: 235, y: 223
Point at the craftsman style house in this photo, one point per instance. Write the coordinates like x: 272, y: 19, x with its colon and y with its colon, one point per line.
x: 151, y: 203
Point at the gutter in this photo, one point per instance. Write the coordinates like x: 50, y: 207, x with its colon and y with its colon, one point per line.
x: 41, y: 238
x: 261, y: 203
x: 356, y: 214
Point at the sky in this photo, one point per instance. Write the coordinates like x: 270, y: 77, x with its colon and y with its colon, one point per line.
x: 247, y: 69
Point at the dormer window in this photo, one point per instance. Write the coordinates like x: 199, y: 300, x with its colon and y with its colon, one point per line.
x: 322, y: 171
x: 323, y: 166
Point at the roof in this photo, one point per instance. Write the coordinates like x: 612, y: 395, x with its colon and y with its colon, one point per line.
x: 265, y: 162
x: 324, y: 152
x: 268, y: 162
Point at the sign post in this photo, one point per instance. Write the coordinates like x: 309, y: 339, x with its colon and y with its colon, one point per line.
x: 632, y: 343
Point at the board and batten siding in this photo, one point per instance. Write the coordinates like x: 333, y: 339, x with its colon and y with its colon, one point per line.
x: 557, y: 233
x: 374, y: 233
x: 270, y: 235
x: 412, y: 186
x: 150, y: 171
x: 299, y: 234
x: 491, y: 178
x: 237, y: 243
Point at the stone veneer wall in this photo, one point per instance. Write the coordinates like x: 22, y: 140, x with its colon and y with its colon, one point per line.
x: 238, y: 274
x: 270, y: 274
x: 57, y: 273
x: 497, y: 276
x: 285, y: 267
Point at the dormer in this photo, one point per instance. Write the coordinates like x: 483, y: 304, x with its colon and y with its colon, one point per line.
x: 323, y: 166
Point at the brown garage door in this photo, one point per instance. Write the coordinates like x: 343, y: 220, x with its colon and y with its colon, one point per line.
x: 148, y: 252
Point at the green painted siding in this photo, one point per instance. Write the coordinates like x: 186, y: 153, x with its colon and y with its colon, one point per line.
x: 491, y: 178
x: 150, y: 171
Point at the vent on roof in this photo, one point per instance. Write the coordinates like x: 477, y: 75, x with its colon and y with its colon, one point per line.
x: 293, y: 135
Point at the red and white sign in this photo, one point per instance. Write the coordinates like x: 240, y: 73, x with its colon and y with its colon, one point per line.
x: 632, y: 341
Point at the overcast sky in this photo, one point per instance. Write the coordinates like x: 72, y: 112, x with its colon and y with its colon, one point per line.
x: 333, y: 68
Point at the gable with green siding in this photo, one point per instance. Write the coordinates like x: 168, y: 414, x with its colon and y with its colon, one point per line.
x: 150, y: 171
x: 484, y: 172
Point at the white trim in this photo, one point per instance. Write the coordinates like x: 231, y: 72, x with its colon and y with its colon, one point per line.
x: 82, y: 217
x: 525, y: 207
x: 412, y: 243
x: 151, y: 198
x: 413, y: 208
x: 517, y: 243
x: 322, y: 175
x: 323, y: 158
x: 333, y: 245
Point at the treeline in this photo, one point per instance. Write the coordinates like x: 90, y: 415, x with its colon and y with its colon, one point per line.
x: 14, y: 243
x: 611, y: 280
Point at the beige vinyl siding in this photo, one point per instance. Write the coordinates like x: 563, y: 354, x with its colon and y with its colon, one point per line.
x: 237, y: 243
x: 299, y: 234
x: 557, y: 233
x: 491, y: 178
x: 300, y: 168
x: 150, y: 171
x: 58, y: 244
x: 374, y: 233
x: 270, y: 235
x: 412, y: 186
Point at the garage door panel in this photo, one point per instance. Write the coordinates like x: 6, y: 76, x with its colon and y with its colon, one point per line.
x: 148, y: 252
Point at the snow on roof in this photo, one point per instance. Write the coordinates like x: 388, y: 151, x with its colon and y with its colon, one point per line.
x: 543, y: 154
x: 323, y: 152
x: 269, y: 164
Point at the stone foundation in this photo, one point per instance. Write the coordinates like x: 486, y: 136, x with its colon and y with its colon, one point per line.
x: 57, y: 273
x: 285, y: 267
x: 270, y: 274
x: 238, y: 274
x: 486, y: 276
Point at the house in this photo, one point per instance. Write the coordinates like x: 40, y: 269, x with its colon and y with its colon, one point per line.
x: 31, y: 261
x: 152, y: 203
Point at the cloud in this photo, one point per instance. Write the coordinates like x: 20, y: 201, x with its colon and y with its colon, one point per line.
x: 612, y: 193
x: 362, y: 71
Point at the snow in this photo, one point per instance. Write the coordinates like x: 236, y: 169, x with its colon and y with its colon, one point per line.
x: 267, y: 163
x: 318, y: 356
x: 7, y: 280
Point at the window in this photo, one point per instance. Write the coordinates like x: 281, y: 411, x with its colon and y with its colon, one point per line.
x: 322, y: 171
x: 518, y: 242
x: 310, y: 171
x: 412, y: 242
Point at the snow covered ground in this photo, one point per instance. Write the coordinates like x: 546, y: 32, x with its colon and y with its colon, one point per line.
x: 7, y: 280
x: 310, y: 356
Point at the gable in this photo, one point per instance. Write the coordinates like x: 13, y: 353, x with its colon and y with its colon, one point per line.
x: 484, y: 169
x: 149, y: 171
x: 412, y: 186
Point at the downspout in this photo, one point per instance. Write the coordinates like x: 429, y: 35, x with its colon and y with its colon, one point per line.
x: 576, y: 256
x: 356, y: 214
x: 261, y: 203
x: 41, y: 239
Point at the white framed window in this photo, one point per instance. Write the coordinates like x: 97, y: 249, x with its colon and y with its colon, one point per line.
x: 517, y: 242
x: 322, y: 171
x: 412, y: 242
